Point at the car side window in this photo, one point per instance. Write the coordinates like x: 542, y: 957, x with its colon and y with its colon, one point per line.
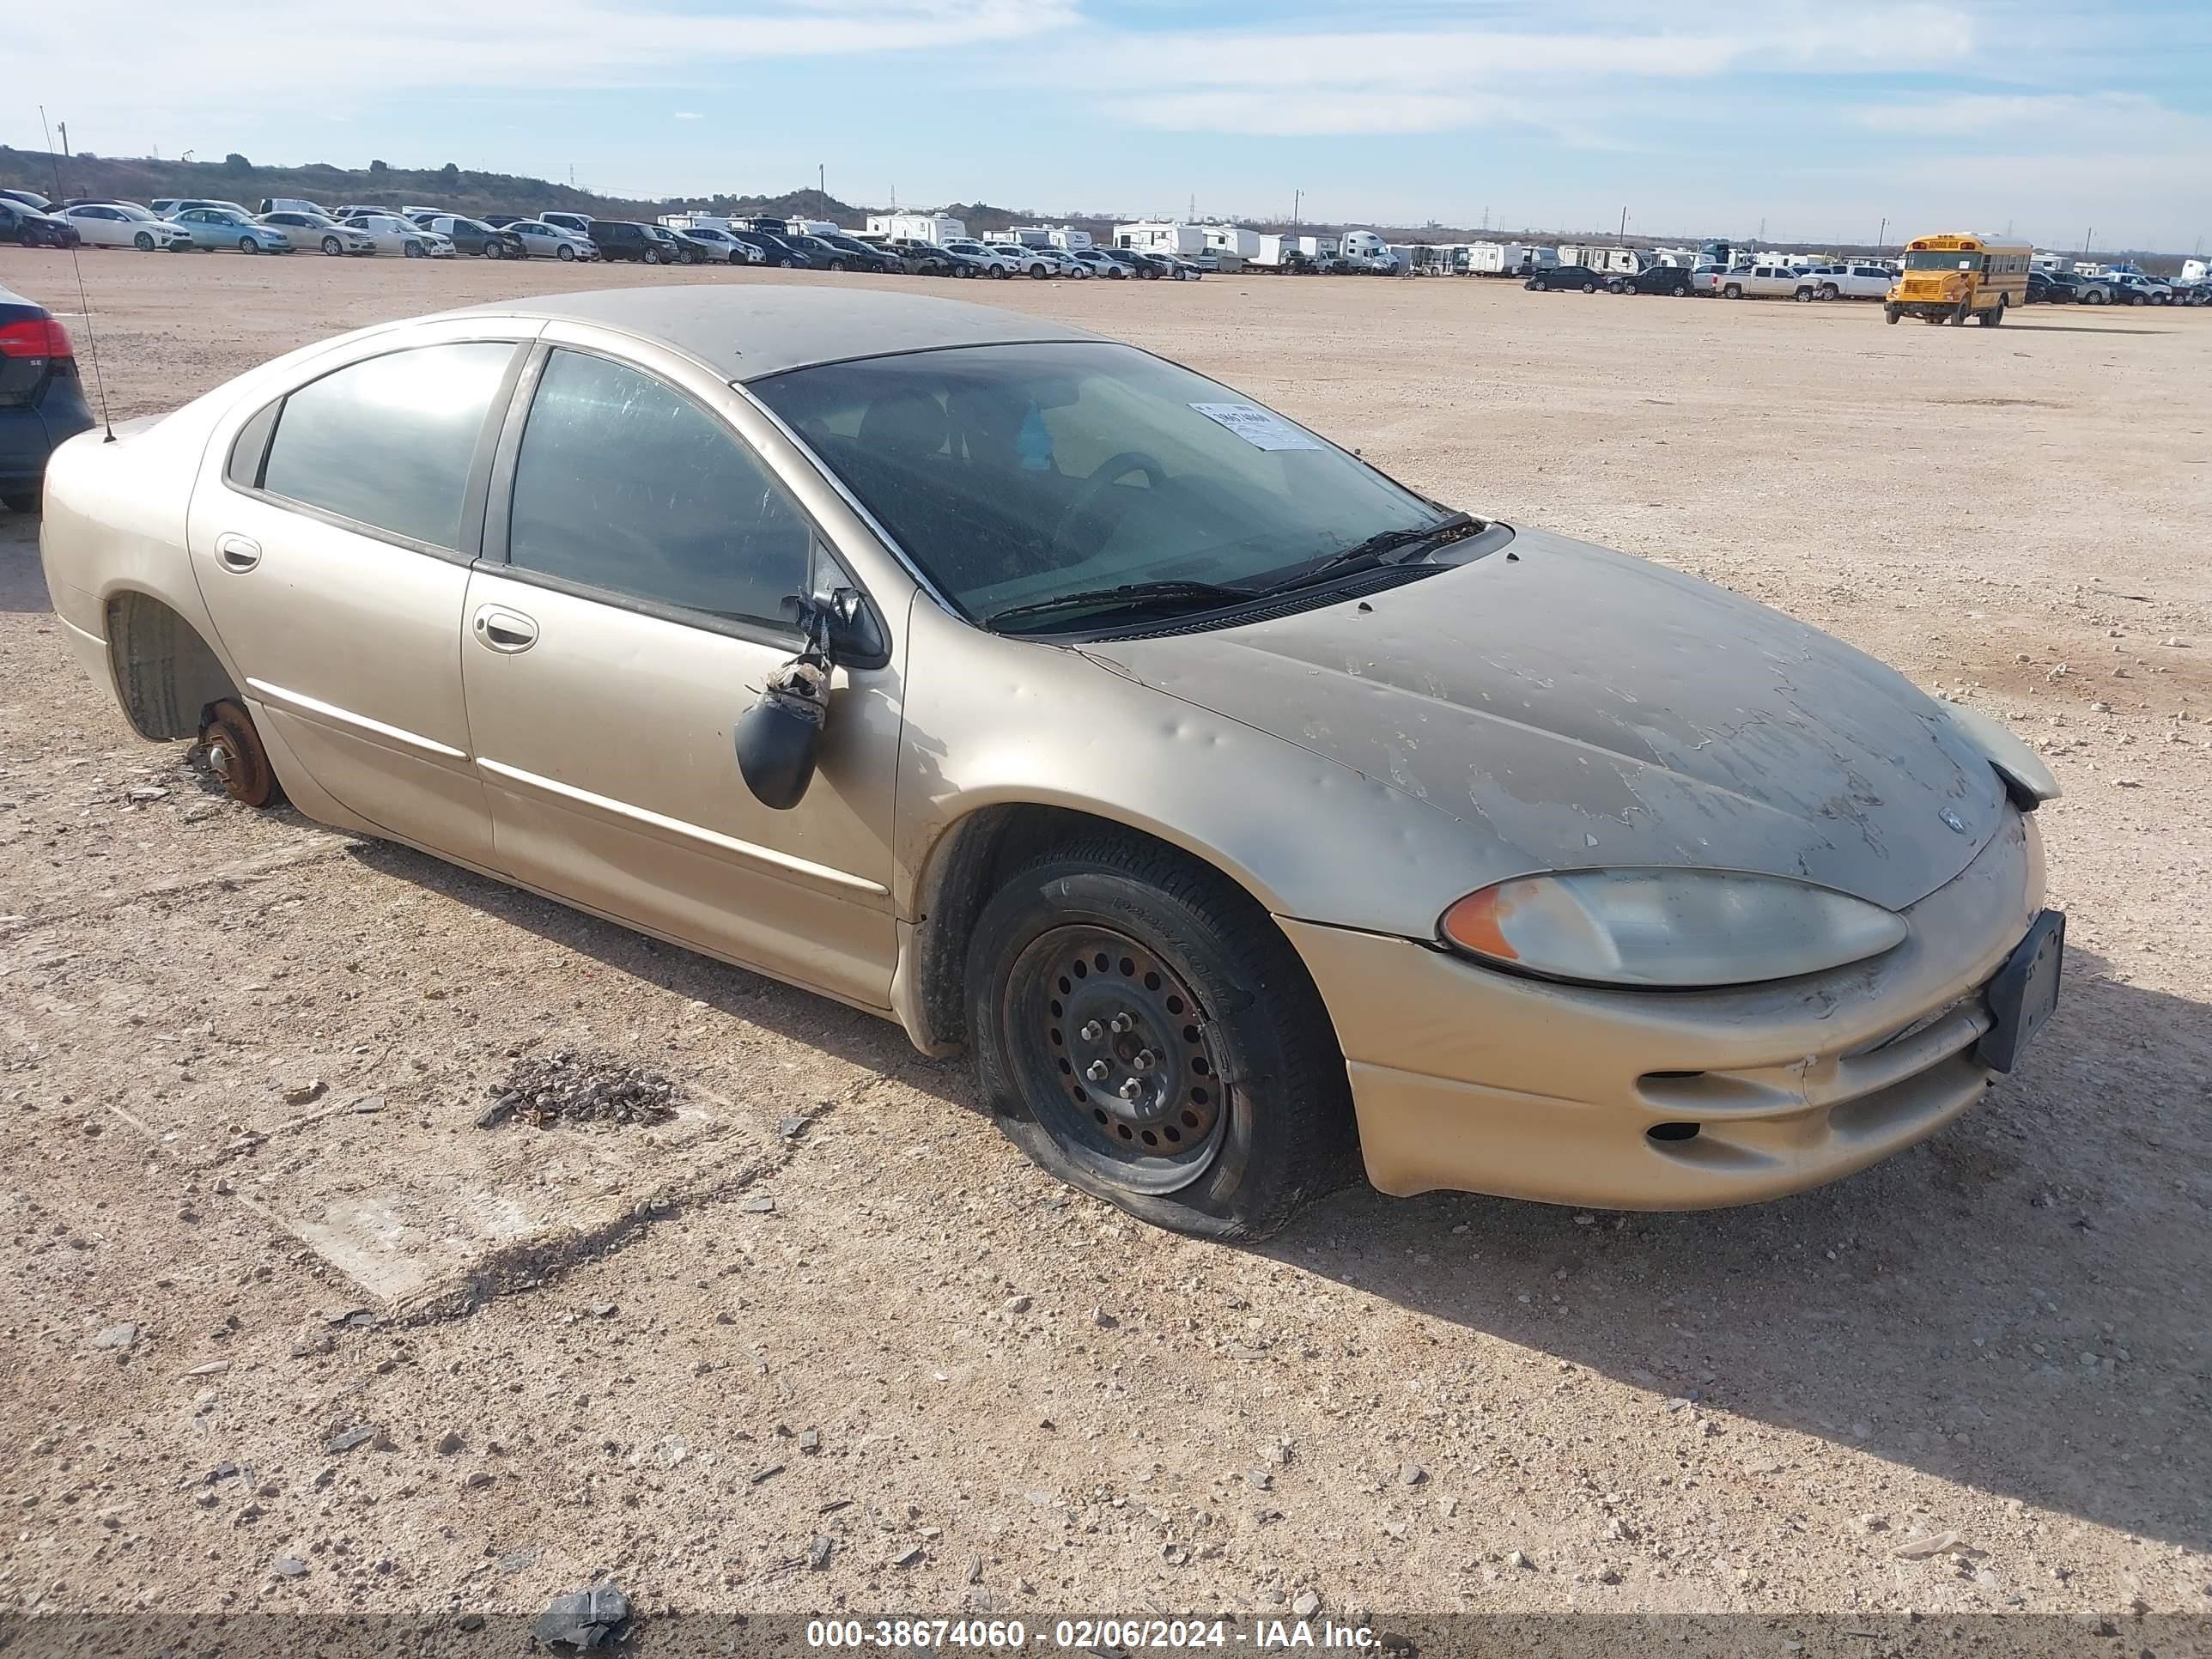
x: 623, y: 482
x: 389, y: 442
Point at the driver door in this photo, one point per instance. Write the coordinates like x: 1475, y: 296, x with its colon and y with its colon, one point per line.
x: 628, y: 610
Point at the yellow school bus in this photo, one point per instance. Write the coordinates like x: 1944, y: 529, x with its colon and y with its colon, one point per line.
x: 1947, y: 279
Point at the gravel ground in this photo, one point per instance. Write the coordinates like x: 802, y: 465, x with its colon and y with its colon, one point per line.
x: 288, y: 1330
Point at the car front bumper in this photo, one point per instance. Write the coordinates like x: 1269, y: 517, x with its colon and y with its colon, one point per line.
x: 1468, y: 1079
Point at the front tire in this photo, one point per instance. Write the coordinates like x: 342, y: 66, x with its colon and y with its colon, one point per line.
x: 1890, y: 313
x: 142, y: 242
x: 1193, y: 1080
x: 565, y: 252
x: 333, y: 246
x: 247, y: 244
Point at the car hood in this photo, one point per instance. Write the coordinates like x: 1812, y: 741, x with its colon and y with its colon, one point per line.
x: 1578, y: 708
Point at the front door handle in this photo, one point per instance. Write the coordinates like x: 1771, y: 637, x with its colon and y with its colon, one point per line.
x: 499, y: 628
x: 236, y: 552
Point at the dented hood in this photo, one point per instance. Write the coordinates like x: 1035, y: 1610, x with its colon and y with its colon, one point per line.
x: 1579, y: 708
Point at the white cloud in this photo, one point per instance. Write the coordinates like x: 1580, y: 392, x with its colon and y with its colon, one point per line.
x: 1399, y: 81
x: 2028, y: 115
x: 218, y: 55
x: 689, y: 115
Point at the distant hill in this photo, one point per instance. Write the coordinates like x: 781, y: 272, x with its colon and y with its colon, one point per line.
x: 140, y: 179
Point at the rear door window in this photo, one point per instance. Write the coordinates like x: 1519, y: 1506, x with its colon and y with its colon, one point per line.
x: 389, y: 442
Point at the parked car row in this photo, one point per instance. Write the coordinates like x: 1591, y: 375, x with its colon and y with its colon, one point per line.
x: 367, y: 229
x: 1854, y: 281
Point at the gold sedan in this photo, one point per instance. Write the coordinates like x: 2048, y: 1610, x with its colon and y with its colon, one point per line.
x: 1238, y: 808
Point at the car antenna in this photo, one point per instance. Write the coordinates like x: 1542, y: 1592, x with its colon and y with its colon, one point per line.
x: 76, y: 269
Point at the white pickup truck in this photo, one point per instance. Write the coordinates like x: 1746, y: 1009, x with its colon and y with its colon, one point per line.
x: 1844, y: 282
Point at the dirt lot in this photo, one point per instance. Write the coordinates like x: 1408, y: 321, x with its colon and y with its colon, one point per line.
x: 827, y: 1302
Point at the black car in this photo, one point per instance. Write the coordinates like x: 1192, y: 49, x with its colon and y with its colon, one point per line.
x: 1654, y: 279
x: 29, y: 198
x: 922, y: 258
x: 2053, y: 287
x: 1580, y: 277
x: 696, y: 250
x: 714, y: 246
x: 474, y: 236
x: 33, y: 229
x: 41, y: 399
x: 818, y: 254
x: 863, y: 256
x: 773, y: 249
x: 624, y: 239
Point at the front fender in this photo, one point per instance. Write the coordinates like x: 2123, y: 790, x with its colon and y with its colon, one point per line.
x: 992, y: 720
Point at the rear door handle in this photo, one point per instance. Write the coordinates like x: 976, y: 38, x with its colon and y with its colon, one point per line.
x: 236, y: 552
x: 499, y: 628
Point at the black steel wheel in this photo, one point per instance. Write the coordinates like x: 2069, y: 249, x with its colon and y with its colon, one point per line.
x: 1143, y: 1031
x: 1116, y: 1057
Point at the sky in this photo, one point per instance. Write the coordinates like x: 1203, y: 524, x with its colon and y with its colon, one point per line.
x: 1816, y: 121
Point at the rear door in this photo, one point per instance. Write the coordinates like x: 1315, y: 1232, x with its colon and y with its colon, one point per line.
x: 332, y: 550
x: 649, y: 549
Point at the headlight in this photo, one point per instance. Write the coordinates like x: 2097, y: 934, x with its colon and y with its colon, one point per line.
x: 2026, y: 779
x: 1671, y: 929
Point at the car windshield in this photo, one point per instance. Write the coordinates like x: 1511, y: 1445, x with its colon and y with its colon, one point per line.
x: 1941, y: 259
x: 129, y: 210
x: 1017, y: 474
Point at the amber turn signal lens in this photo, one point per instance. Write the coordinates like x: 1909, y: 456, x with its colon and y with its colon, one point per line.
x: 1473, y: 923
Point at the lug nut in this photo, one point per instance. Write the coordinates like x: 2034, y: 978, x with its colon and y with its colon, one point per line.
x: 1144, y: 1061
x: 1092, y: 1031
x: 1131, y: 1090
x: 1124, y: 1024
x: 1097, y: 1071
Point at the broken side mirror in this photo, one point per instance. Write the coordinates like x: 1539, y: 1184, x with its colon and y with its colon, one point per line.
x: 779, y: 739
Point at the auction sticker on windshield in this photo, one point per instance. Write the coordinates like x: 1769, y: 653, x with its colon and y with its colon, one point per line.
x: 1260, y: 428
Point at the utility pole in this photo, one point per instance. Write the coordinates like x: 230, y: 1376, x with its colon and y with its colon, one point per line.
x: 1622, y: 236
x: 821, y: 172
x: 1296, y: 197
x: 1878, y: 243
x: 64, y: 125
x: 2087, y: 236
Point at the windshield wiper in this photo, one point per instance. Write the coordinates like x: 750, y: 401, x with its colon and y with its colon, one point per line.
x: 1376, y: 550
x: 1127, y: 594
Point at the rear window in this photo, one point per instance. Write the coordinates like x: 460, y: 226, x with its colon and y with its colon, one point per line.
x: 389, y: 442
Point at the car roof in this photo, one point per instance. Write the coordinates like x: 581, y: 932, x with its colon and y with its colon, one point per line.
x: 750, y: 334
